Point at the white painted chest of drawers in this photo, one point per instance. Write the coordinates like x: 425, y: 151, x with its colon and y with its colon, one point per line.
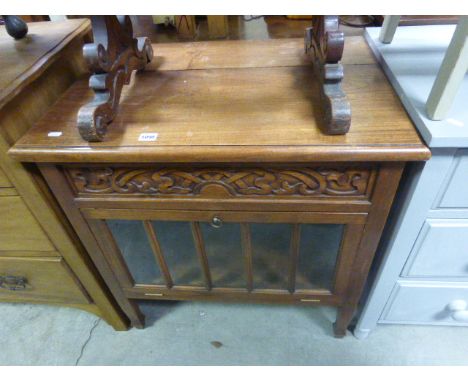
x: 423, y: 274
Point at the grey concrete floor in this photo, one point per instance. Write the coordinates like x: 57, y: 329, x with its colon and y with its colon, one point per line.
x: 193, y: 333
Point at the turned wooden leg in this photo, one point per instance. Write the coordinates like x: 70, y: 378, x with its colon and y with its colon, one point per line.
x: 343, y: 318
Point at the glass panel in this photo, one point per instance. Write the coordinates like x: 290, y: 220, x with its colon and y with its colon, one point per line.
x: 131, y: 238
x: 318, y: 251
x: 270, y: 254
x: 178, y: 248
x: 224, y: 252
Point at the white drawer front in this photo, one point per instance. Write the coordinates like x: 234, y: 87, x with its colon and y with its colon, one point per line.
x: 441, y: 250
x: 454, y: 193
x: 425, y: 303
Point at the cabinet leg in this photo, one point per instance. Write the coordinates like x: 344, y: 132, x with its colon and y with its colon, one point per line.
x: 343, y: 318
x: 137, y: 318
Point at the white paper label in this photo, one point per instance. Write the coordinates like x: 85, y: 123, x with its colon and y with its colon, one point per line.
x: 148, y: 137
x: 54, y: 134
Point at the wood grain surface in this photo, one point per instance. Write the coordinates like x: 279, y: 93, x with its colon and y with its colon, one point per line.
x: 35, y: 71
x: 233, y: 101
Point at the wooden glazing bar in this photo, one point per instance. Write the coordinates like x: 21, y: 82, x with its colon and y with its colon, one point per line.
x: 157, y: 252
x: 200, y: 247
x: 293, y: 256
x: 247, y: 252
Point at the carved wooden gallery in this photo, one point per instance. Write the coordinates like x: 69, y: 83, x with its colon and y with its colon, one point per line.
x: 229, y: 170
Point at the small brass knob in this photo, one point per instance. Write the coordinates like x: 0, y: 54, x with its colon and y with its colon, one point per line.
x: 216, y: 222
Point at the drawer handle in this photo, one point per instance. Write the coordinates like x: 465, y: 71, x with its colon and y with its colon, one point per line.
x: 216, y: 222
x: 12, y: 283
x: 458, y: 310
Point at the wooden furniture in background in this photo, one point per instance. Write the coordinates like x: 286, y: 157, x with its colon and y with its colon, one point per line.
x: 423, y: 275
x: 217, y: 26
x: 186, y: 26
x: 41, y: 259
x: 231, y: 191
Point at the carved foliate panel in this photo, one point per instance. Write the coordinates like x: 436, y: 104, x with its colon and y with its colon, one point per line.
x: 243, y: 182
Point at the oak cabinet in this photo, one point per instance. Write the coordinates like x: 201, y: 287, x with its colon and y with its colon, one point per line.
x: 239, y: 196
x: 41, y: 258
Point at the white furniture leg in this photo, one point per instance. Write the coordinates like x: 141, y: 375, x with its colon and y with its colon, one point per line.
x: 451, y: 73
x: 58, y: 17
x: 388, y: 30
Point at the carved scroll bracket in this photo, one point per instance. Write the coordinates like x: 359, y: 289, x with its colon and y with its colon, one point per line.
x: 113, y: 56
x: 325, y: 43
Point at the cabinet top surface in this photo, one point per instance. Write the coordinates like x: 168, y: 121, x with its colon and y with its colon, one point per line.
x: 223, y: 101
x: 24, y: 60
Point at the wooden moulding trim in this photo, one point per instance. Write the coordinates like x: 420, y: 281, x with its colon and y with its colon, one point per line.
x: 220, y: 154
x: 228, y: 216
x: 260, y: 204
x: 8, y: 191
x: 309, y: 297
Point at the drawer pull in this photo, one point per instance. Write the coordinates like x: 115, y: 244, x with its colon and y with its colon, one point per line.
x: 216, y: 222
x: 12, y: 283
x: 458, y: 310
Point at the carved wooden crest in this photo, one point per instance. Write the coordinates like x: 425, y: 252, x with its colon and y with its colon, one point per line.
x: 246, y: 182
x: 325, y: 43
x: 113, y: 56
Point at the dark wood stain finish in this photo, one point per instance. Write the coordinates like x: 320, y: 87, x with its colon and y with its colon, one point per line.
x: 239, y: 142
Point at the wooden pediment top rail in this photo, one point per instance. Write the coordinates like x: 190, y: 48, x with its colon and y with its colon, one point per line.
x: 115, y: 54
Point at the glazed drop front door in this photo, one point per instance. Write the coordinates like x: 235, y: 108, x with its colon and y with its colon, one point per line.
x: 288, y: 257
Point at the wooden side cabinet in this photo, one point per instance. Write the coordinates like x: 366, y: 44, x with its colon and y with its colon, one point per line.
x: 238, y: 195
x: 41, y: 258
